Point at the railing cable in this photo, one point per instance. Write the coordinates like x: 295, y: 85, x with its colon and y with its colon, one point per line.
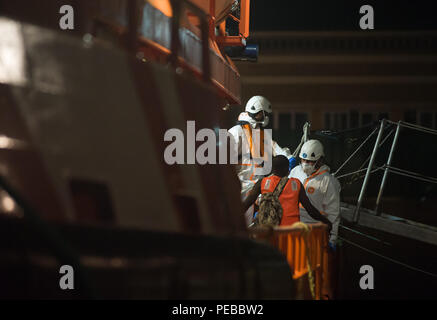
x: 389, y: 259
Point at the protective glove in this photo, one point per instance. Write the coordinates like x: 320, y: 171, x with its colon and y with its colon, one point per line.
x: 292, y: 162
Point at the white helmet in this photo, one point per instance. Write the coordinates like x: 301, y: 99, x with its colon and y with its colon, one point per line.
x: 257, y: 104
x: 311, y: 150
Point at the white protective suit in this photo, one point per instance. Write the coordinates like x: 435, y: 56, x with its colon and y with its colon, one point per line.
x: 245, y: 172
x: 323, y: 190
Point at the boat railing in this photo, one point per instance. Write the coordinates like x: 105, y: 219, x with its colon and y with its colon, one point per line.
x: 152, y: 35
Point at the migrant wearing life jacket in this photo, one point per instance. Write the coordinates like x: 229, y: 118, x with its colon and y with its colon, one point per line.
x: 289, y: 198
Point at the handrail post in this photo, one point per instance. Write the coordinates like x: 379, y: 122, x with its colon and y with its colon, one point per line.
x: 177, y: 6
x: 384, y: 178
x: 369, y: 169
x: 206, y: 72
x: 175, y: 41
x: 212, y: 19
x: 133, y: 21
x: 244, y: 18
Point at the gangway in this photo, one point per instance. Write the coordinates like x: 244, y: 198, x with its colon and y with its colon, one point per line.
x: 375, y: 218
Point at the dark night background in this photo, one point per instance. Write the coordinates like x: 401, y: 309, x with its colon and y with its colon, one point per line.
x: 312, y: 15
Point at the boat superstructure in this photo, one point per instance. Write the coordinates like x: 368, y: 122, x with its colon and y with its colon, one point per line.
x: 83, y: 114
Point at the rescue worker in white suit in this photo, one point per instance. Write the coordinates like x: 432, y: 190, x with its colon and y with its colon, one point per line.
x: 322, y: 188
x: 257, y: 113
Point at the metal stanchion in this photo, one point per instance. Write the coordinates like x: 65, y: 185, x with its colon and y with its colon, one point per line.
x: 388, y: 164
x: 369, y: 169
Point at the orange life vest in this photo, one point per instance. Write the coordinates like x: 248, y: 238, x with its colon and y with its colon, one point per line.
x: 310, y: 190
x: 256, y: 149
x: 289, y: 198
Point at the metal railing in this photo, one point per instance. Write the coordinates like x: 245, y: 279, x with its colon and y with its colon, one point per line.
x: 387, y: 167
x: 149, y: 33
x: 178, y: 7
